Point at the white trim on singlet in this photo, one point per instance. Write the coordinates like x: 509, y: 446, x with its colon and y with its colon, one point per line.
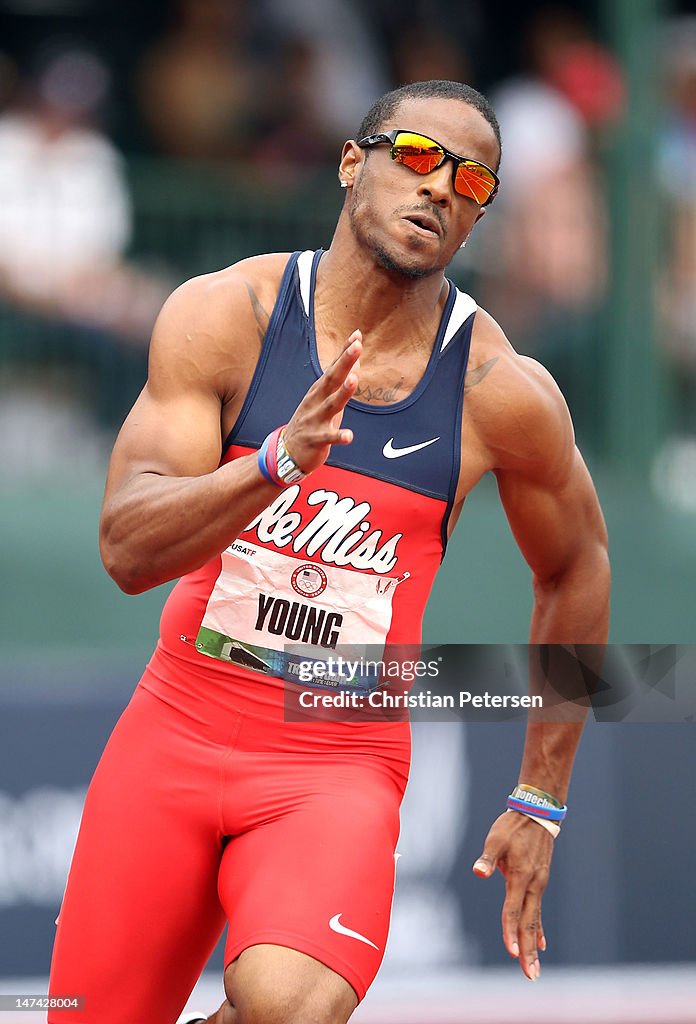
x: 463, y: 307
x: 304, y: 270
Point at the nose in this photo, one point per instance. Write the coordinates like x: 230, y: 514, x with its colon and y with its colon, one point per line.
x: 437, y: 186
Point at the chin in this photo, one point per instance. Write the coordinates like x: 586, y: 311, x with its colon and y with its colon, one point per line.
x: 399, y: 264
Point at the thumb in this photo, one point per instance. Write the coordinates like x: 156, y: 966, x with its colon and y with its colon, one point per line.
x: 486, y: 864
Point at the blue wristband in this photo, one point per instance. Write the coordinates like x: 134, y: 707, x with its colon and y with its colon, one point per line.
x: 275, y: 461
x: 261, y: 459
x: 532, y: 801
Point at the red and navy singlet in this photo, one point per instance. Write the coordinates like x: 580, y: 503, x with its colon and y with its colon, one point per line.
x: 208, y: 806
x: 348, y: 556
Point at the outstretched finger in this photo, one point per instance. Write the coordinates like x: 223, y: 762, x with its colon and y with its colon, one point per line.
x: 515, y: 889
x: 528, y: 930
x: 336, y: 375
x: 337, y: 400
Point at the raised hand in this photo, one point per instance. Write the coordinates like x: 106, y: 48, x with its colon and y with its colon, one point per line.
x: 316, y: 423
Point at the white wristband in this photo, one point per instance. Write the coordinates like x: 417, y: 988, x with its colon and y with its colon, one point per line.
x: 550, y: 826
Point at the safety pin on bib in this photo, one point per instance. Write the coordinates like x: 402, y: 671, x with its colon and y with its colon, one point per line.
x: 384, y: 585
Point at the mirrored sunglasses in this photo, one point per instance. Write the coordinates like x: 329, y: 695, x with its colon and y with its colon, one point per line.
x: 423, y: 155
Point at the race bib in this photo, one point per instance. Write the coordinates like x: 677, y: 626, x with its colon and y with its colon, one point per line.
x: 269, y: 612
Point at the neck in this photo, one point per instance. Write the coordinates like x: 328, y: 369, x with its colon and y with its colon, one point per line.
x: 355, y: 291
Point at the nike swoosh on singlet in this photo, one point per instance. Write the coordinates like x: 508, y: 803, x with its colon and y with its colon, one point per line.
x: 390, y: 452
x: 336, y: 926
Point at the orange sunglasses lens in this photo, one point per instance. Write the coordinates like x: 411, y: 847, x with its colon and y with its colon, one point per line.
x: 423, y: 155
x: 474, y: 180
x: 419, y: 153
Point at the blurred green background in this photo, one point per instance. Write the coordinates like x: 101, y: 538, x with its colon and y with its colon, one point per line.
x: 588, y: 259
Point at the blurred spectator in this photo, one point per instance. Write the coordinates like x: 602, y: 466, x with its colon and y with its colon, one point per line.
x: 424, y: 51
x: 199, y: 87
x: 677, y: 169
x: 65, y: 206
x: 552, y: 247
x: 314, y: 93
x: 567, y: 57
x: 8, y: 79
x: 65, y: 222
x: 344, y: 72
x: 293, y: 138
x: 546, y: 232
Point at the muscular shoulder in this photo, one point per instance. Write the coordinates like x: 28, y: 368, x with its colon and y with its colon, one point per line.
x: 515, y: 407
x: 211, y: 328
x: 227, y: 299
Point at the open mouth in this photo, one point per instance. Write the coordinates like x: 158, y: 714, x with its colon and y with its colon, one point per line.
x: 428, y: 225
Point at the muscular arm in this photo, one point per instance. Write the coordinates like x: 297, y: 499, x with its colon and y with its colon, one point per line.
x: 554, y: 514
x: 168, y: 507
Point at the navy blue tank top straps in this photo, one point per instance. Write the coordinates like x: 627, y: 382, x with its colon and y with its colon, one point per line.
x: 414, y: 442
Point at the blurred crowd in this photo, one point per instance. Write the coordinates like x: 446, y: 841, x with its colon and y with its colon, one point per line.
x: 265, y: 93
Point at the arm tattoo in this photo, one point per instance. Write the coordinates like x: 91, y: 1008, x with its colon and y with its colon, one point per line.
x: 259, y: 312
x: 477, y: 373
x: 370, y: 394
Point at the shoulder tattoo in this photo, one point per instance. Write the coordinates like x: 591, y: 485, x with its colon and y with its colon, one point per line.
x: 260, y: 313
x: 475, y: 375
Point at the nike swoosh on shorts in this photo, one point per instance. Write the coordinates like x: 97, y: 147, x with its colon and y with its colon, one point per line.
x: 336, y: 926
x: 390, y: 452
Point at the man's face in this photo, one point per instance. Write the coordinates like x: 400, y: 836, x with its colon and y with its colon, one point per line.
x: 387, y: 196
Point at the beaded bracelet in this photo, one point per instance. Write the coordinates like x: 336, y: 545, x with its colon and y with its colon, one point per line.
x: 536, y: 803
x: 275, y: 461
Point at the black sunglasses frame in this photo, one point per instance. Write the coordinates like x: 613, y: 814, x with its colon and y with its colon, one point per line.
x: 390, y: 138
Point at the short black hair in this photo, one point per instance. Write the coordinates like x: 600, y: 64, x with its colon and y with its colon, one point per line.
x: 386, y: 105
